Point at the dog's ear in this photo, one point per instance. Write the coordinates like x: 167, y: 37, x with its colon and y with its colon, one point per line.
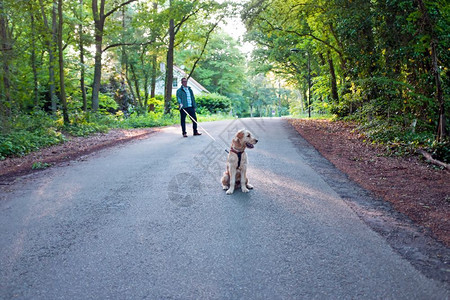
x: 240, y: 134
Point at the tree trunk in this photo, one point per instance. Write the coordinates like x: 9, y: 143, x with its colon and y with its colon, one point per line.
x: 146, y: 77
x: 153, y: 79
x: 334, y: 89
x: 6, y: 44
x: 169, y: 69
x: 441, y: 128
x: 136, y: 85
x: 52, y: 58
x: 99, y: 22
x: 127, y: 78
x: 50, y: 41
x: 440, y: 132
x: 124, y: 56
x: 61, y: 64
x: 33, y: 58
x: 154, y: 63
x: 83, y: 69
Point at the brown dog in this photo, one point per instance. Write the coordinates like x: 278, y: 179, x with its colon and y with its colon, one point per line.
x: 236, y: 173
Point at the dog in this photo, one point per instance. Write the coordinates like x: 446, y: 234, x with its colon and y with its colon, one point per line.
x: 236, y: 173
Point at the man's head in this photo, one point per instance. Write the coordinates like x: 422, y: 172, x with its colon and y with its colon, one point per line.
x: 184, y: 81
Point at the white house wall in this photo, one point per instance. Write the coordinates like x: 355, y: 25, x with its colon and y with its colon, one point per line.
x: 177, y: 75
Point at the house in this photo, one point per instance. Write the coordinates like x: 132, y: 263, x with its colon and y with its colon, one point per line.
x: 178, y: 73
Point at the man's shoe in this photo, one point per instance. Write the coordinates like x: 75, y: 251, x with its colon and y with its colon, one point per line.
x: 184, y: 135
x: 198, y: 133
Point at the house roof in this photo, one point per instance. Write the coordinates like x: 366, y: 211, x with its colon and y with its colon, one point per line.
x: 192, y: 81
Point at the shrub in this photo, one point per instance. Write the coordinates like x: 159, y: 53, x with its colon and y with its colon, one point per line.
x: 85, y: 129
x: 28, y: 132
x: 213, y: 103
x: 149, y: 120
x: 107, y: 103
x: 400, y: 140
x: 156, y: 104
x: 22, y: 142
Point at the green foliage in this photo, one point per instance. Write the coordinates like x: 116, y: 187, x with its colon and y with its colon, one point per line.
x: 40, y: 165
x: 87, y: 123
x: 404, y: 141
x: 212, y: 103
x: 22, y: 142
x: 107, y: 103
x: 151, y: 119
x: 156, y: 104
x: 84, y: 129
x: 376, y: 53
x: 29, y: 133
x: 222, y: 69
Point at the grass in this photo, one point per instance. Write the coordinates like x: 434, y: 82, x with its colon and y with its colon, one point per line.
x: 314, y: 116
x: 40, y: 165
x: 38, y: 130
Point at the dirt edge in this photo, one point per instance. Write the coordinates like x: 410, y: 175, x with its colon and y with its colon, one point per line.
x: 77, y: 147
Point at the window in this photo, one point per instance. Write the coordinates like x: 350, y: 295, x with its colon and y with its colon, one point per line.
x: 175, y: 82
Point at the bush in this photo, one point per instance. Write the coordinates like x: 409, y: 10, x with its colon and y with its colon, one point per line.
x: 341, y: 109
x: 23, y: 142
x: 156, y: 104
x: 213, y: 103
x: 148, y: 120
x: 399, y: 140
x: 107, y: 104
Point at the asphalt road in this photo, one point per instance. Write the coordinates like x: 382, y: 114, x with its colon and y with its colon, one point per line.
x: 149, y: 220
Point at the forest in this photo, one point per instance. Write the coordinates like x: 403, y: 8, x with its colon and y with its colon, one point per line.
x: 77, y: 67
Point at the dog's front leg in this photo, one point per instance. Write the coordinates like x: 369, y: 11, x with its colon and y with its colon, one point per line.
x: 249, y: 186
x: 244, y: 180
x: 232, y: 181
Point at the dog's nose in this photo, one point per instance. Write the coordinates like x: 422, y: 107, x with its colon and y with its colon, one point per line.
x: 256, y: 141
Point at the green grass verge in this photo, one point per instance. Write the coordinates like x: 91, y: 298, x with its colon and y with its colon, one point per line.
x: 28, y: 133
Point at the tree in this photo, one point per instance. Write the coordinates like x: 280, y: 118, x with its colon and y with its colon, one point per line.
x: 390, y: 54
x: 222, y: 69
x: 433, y: 44
x: 62, y: 86
x: 51, y: 38
x: 179, y: 14
x: 169, y: 69
x: 33, y: 55
x: 81, y: 49
x: 99, y: 24
x: 6, y: 48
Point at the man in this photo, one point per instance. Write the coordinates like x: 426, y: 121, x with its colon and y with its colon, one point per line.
x: 186, y: 102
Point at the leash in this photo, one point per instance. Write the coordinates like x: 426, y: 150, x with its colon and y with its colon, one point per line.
x: 226, y: 150
x: 198, y: 124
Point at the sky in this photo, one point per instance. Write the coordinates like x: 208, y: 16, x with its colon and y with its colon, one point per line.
x: 236, y: 29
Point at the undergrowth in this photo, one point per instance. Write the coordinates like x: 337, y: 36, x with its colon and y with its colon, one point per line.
x: 396, y: 139
x: 401, y: 141
x: 28, y: 133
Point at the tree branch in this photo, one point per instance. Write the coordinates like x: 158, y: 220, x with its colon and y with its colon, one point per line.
x: 184, y: 19
x: 204, y: 46
x: 434, y: 161
x: 126, y: 44
x: 118, y: 7
x: 303, y: 35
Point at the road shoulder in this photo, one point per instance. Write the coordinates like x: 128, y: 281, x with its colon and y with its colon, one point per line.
x: 413, y: 242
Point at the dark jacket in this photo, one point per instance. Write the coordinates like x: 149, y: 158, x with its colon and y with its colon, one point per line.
x: 182, y: 97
